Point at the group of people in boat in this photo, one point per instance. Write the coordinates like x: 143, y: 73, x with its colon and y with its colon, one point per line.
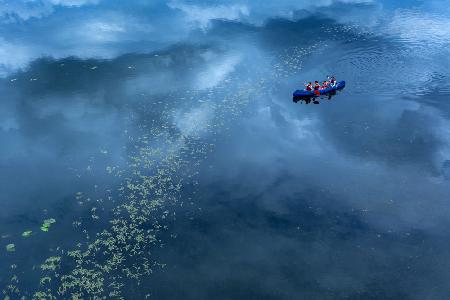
x: 331, y: 82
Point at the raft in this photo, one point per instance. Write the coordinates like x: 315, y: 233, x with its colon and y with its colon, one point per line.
x: 299, y: 94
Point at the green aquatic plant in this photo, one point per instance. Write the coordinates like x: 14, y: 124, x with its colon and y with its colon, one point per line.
x: 47, y: 223
x: 11, y: 291
x: 10, y: 247
x: 52, y: 263
x: 162, y: 159
x: 27, y: 233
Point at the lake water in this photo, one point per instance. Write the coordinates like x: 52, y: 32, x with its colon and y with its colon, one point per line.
x: 154, y: 150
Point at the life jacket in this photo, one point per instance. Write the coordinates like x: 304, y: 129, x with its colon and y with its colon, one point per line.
x: 309, y: 87
x: 316, y: 86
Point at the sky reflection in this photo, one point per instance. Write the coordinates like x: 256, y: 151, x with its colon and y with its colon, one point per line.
x: 346, y: 199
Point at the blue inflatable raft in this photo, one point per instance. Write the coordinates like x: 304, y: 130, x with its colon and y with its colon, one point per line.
x: 302, y: 94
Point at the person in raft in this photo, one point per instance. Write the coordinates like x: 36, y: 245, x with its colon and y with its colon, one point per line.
x: 316, y: 85
x: 332, y: 80
x: 325, y: 84
x: 309, y: 86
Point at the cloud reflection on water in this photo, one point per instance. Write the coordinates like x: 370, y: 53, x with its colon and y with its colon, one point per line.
x: 334, y: 200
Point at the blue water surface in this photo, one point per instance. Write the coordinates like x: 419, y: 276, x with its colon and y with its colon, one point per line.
x: 106, y: 105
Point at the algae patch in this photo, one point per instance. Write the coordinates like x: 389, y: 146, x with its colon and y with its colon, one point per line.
x: 47, y: 223
x: 27, y: 233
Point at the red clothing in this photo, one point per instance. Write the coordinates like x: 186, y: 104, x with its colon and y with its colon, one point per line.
x: 309, y: 88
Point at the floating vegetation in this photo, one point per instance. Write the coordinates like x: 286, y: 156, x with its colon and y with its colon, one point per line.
x: 10, y: 247
x: 164, y: 153
x: 27, y: 233
x: 47, y: 223
x: 51, y: 263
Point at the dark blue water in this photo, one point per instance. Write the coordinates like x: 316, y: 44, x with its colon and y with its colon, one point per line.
x: 163, y: 140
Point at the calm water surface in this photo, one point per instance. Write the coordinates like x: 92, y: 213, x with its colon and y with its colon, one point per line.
x: 176, y: 165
